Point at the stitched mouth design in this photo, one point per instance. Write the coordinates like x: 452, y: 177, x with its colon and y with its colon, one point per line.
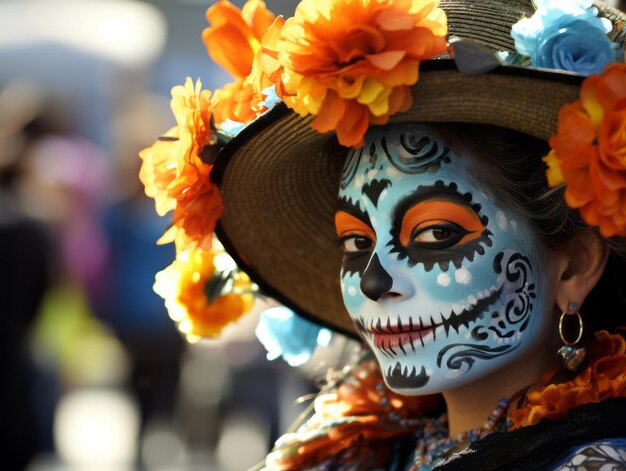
x: 391, y: 339
x: 398, y: 378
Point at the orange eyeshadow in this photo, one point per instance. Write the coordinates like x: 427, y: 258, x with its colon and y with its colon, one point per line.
x: 433, y: 212
x: 347, y: 224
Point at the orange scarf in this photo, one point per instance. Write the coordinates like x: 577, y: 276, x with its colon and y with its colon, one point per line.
x: 603, y: 378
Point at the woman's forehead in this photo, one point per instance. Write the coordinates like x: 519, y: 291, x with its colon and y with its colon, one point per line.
x: 404, y: 157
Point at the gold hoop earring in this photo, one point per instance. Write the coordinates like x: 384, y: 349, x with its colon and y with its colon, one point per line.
x: 570, y: 356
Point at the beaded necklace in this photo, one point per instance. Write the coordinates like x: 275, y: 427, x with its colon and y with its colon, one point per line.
x: 433, y: 443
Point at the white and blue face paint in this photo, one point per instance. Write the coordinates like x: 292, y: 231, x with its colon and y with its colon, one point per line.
x: 441, y: 281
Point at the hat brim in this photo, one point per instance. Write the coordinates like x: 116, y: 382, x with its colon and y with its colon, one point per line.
x: 279, y: 178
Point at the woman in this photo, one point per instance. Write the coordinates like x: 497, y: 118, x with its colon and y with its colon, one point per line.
x: 445, y: 248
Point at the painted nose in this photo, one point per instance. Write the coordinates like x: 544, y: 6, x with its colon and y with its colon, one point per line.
x: 376, y: 282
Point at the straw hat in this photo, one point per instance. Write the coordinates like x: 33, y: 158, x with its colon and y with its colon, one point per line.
x: 279, y: 178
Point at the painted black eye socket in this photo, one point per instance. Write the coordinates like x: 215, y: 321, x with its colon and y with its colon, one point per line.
x: 442, y: 235
x: 353, y: 244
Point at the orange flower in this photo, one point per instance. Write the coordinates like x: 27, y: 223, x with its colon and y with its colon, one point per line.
x: 235, y: 35
x: 184, y: 286
x: 198, y: 207
x: 174, y: 174
x: 238, y: 101
x: 589, y: 151
x: 234, y: 41
x: 351, y: 62
x: 604, y: 378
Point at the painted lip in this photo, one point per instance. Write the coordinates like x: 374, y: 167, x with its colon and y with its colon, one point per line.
x: 394, y: 338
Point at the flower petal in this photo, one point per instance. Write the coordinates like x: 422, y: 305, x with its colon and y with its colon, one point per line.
x: 386, y: 60
x: 330, y: 113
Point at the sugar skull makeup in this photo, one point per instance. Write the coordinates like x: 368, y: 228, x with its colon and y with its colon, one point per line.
x: 441, y: 281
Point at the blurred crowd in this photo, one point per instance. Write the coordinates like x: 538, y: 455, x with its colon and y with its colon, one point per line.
x: 94, y: 374
x: 93, y: 370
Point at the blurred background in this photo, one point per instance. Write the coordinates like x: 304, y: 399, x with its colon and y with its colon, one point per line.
x: 93, y: 373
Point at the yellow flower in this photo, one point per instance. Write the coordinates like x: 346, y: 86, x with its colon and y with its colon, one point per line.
x: 192, y: 109
x: 158, y: 170
x: 185, y: 286
x: 554, y: 174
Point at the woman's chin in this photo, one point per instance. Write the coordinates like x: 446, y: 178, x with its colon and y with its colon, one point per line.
x: 437, y: 368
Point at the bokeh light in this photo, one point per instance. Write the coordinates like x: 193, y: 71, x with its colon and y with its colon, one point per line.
x: 97, y: 429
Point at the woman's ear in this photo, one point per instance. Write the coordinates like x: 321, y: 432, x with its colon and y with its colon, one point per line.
x: 582, y: 266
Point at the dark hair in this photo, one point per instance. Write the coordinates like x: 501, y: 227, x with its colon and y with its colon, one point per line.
x: 515, y: 173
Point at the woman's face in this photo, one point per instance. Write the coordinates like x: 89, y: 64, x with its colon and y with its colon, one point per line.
x: 444, y: 283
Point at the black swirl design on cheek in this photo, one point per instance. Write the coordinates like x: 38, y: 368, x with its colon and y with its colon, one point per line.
x: 442, y: 257
x: 469, y: 352
x: 478, y: 333
x: 403, y: 378
x: 350, y: 167
x: 517, y: 271
x: 516, y: 291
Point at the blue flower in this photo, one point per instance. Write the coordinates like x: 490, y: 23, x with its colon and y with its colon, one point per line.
x: 285, y: 334
x: 567, y: 35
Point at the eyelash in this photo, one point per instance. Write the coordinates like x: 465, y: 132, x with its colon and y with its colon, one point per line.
x: 351, y: 235
x: 458, y: 233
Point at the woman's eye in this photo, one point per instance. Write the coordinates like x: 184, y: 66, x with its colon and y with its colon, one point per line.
x: 354, y: 244
x: 433, y: 235
x: 439, y: 236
